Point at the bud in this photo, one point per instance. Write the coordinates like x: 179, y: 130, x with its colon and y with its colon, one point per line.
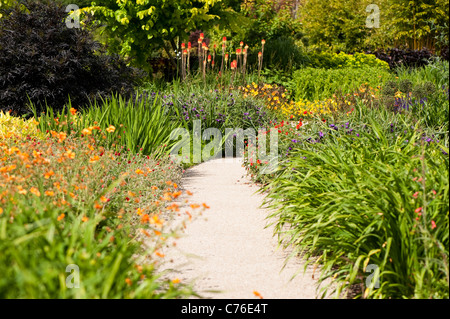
x: 202, y: 35
x: 263, y: 41
x: 189, y: 45
x: 226, y: 57
x: 183, y: 46
x: 259, y: 54
x: 238, y: 51
x: 209, y: 58
x: 241, y: 43
x: 184, y: 51
x: 224, y: 39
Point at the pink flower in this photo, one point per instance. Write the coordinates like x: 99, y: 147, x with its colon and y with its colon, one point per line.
x: 415, y: 194
x: 418, y: 210
x: 433, y: 224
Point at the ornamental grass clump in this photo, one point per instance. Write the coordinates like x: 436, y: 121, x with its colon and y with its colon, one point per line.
x: 142, y: 125
x: 371, y: 210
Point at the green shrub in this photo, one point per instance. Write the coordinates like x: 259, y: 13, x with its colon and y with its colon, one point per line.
x: 436, y: 72
x: 328, y: 60
x: 319, y: 84
x: 283, y: 54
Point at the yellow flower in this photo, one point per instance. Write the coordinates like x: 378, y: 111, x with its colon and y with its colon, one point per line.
x: 86, y: 132
x: 110, y: 129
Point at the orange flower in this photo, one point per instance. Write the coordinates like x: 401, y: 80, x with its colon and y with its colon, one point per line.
x: 174, y: 207
x: 145, y: 218
x: 176, y: 280
x: 35, y: 191
x: 97, y: 206
x: 138, y: 171
x: 194, y: 206
x: 69, y: 154
x: 139, y: 211
x: 61, y: 217
x: 176, y: 194
x: 104, y: 199
x: 49, y: 193
x: 86, y: 132
x: 146, y: 233
x: 49, y: 174
x: 157, y: 253
x: 1, y: 210
x: 154, y: 188
x: 84, y: 219
x: 128, y: 281
x: 155, y: 220
x: 61, y: 136
x: 205, y: 206
x: 189, y: 193
x: 73, y: 111
x: 257, y: 294
x: 110, y: 129
x: 94, y: 159
x: 21, y: 190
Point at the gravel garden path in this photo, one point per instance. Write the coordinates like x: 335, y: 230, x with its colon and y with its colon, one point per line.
x: 227, y: 251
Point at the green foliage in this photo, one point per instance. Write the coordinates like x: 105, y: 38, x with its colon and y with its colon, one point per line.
x: 270, y: 20
x: 58, y: 226
x: 4, y: 4
x: 373, y: 198
x: 283, y: 54
x: 436, y: 72
x: 329, y: 60
x: 336, y: 25
x: 146, y: 124
x: 319, y: 84
x: 137, y: 28
x: 417, y: 22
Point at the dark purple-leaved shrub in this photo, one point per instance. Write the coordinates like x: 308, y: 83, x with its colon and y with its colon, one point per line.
x: 43, y: 60
x: 404, y: 57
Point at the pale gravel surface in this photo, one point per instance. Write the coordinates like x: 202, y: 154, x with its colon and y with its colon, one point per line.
x: 228, y: 252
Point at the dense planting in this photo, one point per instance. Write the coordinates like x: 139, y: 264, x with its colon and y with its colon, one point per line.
x: 361, y: 188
